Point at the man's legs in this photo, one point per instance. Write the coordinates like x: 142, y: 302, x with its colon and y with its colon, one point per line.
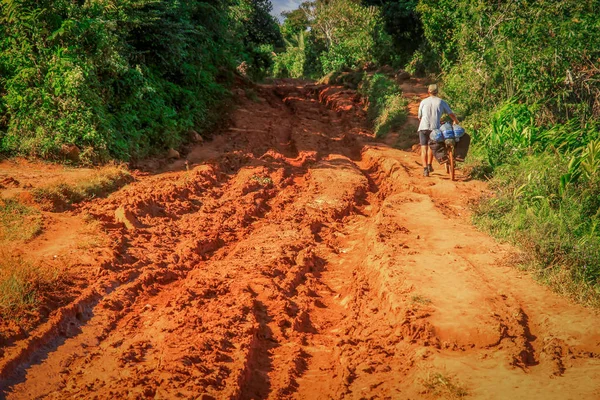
x: 427, y: 158
x: 426, y: 153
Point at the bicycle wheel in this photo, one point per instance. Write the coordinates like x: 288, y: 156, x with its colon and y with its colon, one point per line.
x: 451, y: 162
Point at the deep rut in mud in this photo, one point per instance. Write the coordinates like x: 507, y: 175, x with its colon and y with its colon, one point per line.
x: 299, y: 258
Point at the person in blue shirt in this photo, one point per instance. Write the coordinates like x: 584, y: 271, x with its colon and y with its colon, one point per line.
x: 431, y: 110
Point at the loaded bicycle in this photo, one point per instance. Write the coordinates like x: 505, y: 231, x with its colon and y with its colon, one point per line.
x: 449, y: 144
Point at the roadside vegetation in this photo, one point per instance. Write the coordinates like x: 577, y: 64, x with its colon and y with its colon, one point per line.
x: 386, y: 107
x: 22, y: 284
x: 122, y: 79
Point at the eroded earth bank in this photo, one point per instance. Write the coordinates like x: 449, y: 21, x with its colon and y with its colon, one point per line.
x: 295, y: 257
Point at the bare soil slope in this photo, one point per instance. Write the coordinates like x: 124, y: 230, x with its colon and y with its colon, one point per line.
x: 296, y: 257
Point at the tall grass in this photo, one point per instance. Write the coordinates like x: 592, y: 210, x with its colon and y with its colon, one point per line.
x: 547, y: 184
x: 23, y: 285
x: 18, y: 221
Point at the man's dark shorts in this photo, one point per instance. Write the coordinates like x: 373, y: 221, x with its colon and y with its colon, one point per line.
x: 424, y: 137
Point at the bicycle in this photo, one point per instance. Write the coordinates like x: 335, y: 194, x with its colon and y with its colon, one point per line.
x: 450, y: 151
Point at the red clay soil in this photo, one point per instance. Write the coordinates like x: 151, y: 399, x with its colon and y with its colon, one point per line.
x: 296, y: 257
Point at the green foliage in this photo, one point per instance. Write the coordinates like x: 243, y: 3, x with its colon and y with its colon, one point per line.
x: 337, y: 35
x: 540, y: 52
x: 120, y: 78
x: 296, y: 21
x: 260, y: 34
x: 403, y: 30
x: 557, y: 226
x: 547, y: 181
x: 348, y: 29
x: 512, y: 133
x: 291, y: 62
x: 262, y: 28
x: 422, y: 61
x: 386, y: 107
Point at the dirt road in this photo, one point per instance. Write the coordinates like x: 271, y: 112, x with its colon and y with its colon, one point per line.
x: 294, y: 257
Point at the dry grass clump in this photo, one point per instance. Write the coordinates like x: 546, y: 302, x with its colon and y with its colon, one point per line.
x: 101, y: 182
x: 420, y: 300
x: 92, y: 235
x: 18, y: 221
x: 23, y: 286
x: 443, y: 386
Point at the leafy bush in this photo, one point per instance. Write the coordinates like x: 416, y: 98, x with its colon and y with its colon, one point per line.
x: 540, y: 52
x: 336, y: 35
x: 386, y: 107
x: 422, y: 61
x: 348, y: 30
x: 291, y: 62
x: 512, y: 132
x: 120, y: 78
x: 401, y: 33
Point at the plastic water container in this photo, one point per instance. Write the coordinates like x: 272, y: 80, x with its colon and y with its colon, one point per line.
x: 459, y: 131
x: 436, y: 136
x: 447, y: 131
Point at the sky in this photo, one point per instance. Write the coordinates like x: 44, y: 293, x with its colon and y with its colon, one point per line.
x: 284, y: 5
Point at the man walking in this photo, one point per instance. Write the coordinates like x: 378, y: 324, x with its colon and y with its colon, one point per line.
x: 431, y: 110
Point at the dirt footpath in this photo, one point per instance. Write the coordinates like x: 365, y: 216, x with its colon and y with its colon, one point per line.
x: 295, y: 257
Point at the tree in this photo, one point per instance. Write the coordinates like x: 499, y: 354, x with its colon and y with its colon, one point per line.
x: 348, y: 30
x: 402, y: 23
x: 262, y: 27
x: 338, y: 34
x: 296, y: 21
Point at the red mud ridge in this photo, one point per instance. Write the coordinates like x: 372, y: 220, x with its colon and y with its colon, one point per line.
x: 295, y: 257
